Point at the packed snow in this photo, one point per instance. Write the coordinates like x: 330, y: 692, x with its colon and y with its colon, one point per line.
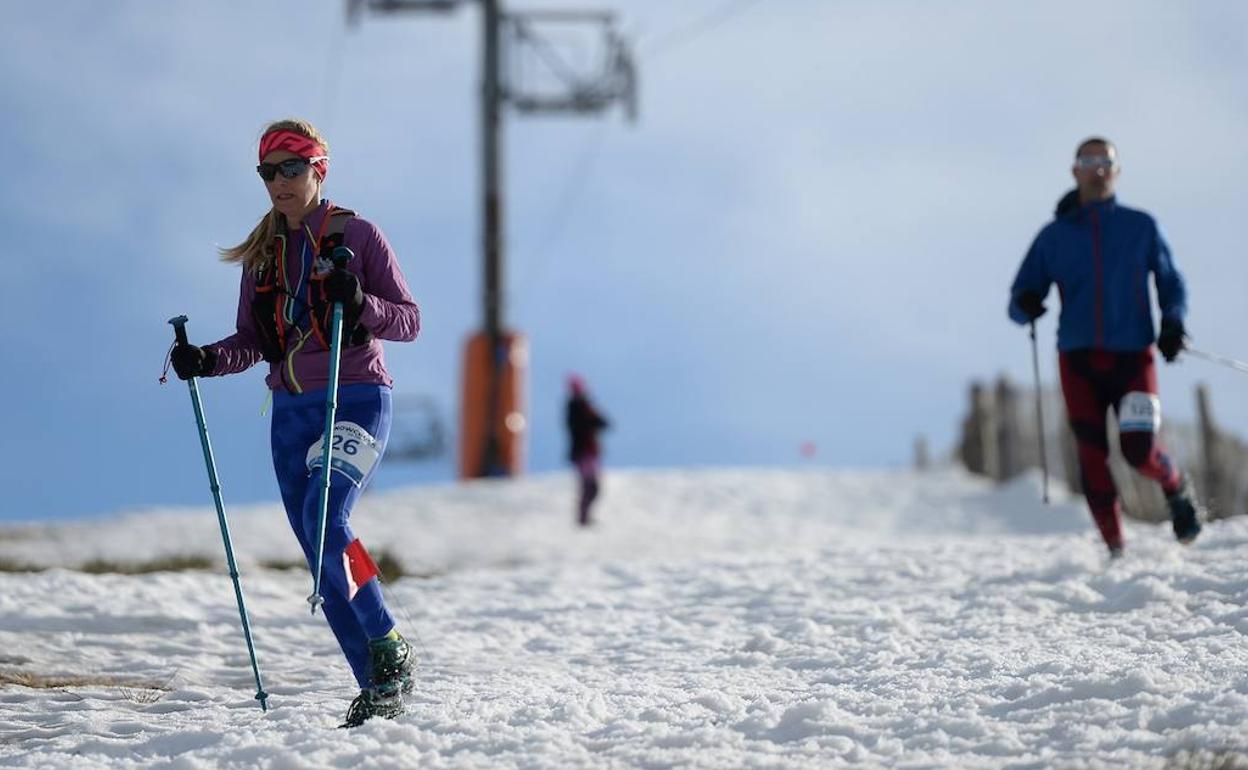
x: 711, y: 619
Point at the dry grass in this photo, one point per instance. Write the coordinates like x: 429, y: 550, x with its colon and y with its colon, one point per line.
x: 111, y: 567
x: 136, y: 691
x: 163, y: 564
x: 43, y: 682
x: 283, y: 564
x: 388, y: 565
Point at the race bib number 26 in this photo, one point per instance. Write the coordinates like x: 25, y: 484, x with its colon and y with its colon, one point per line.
x: 353, y: 454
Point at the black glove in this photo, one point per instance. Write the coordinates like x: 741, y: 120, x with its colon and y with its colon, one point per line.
x: 1032, y: 304
x: 1170, y: 341
x: 192, y: 361
x: 342, y: 285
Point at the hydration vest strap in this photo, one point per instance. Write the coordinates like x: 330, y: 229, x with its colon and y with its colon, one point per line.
x: 273, y: 291
x: 332, y: 228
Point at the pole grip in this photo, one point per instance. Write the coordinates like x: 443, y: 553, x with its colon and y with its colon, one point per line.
x: 179, y: 329
x: 340, y: 256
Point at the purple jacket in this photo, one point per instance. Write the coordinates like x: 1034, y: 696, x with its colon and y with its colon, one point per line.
x: 389, y: 312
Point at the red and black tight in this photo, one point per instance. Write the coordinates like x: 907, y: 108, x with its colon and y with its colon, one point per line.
x: 587, y: 469
x: 1092, y: 382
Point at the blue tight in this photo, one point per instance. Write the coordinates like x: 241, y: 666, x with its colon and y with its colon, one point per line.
x: 298, y: 422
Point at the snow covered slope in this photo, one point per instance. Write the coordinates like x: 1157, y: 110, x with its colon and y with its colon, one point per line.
x: 714, y: 619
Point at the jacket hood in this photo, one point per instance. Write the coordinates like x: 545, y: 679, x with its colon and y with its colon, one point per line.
x: 1068, y: 204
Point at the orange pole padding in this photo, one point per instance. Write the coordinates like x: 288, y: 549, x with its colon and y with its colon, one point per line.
x: 494, y: 425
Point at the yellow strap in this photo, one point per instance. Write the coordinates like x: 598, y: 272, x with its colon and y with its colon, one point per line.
x: 290, y: 361
x: 268, y: 401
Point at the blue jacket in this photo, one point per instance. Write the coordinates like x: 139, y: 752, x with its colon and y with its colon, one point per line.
x: 1100, y: 256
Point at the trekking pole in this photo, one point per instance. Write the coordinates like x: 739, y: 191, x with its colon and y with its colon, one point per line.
x: 1035, y: 368
x: 340, y: 256
x: 1231, y: 363
x: 179, y: 330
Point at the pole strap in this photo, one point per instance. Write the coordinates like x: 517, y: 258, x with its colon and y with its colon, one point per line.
x: 164, y: 373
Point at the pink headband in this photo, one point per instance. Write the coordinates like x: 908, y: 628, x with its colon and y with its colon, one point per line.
x: 300, y: 145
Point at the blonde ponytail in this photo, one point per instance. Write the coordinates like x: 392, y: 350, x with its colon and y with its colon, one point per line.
x: 257, y: 248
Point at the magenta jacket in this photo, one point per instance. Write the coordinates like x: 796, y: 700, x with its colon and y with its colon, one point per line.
x: 389, y: 313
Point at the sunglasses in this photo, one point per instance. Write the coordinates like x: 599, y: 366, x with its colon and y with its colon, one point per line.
x: 1094, y: 161
x: 289, y: 169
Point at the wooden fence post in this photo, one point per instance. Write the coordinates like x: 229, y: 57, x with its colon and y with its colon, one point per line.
x: 1008, y: 438
x: 974, y: 450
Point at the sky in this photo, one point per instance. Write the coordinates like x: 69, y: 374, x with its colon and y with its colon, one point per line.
x: 713, y: 619
x: 807, y: 235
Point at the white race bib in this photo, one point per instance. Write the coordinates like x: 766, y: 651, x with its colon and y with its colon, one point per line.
x: 1139, y: 413
x: 353, y: 454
